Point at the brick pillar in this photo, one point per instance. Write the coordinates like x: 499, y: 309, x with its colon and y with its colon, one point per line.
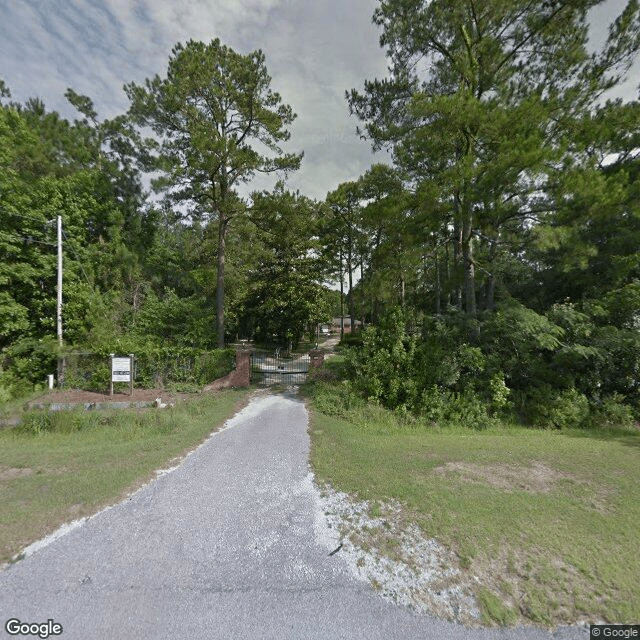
x: 317, y: 358
x: 242, y: 377
x: 239, y: 377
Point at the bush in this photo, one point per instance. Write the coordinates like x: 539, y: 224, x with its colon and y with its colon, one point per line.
x: 549, y: 408
x: 552, y: 370
x: 12, y: 386
x: 24, y: 367
x: 440, y: 406
x: 323, y: 374
x: 352, y: 339
x: 382, y: 369
x: 335, y: 399
x: 612, y: 413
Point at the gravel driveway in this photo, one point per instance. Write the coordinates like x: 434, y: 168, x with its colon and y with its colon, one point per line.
x: 230, y: 544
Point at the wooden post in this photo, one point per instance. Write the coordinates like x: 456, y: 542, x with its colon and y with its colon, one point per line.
x: 111, y: 373
x: 131, y: 374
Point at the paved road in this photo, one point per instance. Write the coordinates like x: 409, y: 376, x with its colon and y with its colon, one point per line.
x: 228, y: 545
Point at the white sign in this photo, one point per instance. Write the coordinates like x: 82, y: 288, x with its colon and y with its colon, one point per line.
x: 121, y: 369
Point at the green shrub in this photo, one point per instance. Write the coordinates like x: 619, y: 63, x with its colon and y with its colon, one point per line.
x: 322, y: 374
x: 548, y: 370
x: 549, y: 408
x: 612, y: 413
x: 382, y: 369
x: 352, y: 339
x: 499, y: 392
x: 12, y: 386
x: 335, y: 399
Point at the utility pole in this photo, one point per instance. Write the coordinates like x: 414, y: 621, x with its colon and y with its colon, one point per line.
x: 59, y: 308
x: 61, y: 362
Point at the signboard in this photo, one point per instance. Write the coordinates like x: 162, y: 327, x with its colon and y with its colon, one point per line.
x: 121, y: 369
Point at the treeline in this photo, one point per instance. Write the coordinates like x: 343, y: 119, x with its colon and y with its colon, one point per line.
x: 496, y: 259
x: 507, y: 230
x: 142, y: 268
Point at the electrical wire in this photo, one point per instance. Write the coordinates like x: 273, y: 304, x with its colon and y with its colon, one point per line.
x: 27, y: 239
x: 27, y: 217
x: 77, y: 258
x: 31, y: 240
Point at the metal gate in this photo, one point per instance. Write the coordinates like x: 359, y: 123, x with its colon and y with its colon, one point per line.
x: 269, y: 368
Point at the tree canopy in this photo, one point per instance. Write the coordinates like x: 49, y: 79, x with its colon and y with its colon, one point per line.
x: 212, y: 115
x: 494, y: 261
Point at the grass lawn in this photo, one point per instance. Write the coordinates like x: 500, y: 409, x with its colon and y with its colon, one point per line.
x: 58, y: 467
x: 547, y: 520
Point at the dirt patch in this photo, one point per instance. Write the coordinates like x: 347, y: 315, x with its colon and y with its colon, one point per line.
x: 537, y: 478
x: 80, y: 396
x: 10, y: 473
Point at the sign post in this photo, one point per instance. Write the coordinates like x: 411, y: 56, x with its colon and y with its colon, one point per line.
x: 122, y: 371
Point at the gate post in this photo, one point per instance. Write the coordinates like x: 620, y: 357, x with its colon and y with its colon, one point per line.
x: 317, y: 358
x: 239, y: 377
x: 243, y: 368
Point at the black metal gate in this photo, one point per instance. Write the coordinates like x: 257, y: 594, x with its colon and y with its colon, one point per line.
x: 269, y: 368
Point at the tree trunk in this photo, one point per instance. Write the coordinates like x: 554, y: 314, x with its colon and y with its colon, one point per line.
x: 469, y: 267
x: 362, y: 293
x: 457, y: 250
x: 341, y: 299
x: 222, y: 234
x: 352, y: 315
x: 491, y: 285
x: 376, y: 244
x: 447, y: 274
x: 438, y: 292
x: 491, y: 290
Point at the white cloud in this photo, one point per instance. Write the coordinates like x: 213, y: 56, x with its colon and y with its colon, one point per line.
x: 314, y: 52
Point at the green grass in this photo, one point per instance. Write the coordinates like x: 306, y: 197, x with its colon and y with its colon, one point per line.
x: 57, y: 467
x: 14, y: 408
x: 548, y: 520
x: 493, y: 609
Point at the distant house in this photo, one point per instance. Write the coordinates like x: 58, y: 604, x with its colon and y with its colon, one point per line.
x: 335, y: 324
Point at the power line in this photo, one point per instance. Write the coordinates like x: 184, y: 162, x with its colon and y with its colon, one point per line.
x: 27, y: 239
x: 77, y: 258
x: 27, y: 217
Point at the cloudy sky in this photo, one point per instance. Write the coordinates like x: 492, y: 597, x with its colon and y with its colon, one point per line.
x: 315, y: 50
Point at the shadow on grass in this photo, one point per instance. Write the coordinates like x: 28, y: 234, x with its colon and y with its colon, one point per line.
x: 627, y: 437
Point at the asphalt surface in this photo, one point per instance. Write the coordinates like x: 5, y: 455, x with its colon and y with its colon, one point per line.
x: 230, y: 544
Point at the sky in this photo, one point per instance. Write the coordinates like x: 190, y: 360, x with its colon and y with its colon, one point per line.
x: 315, y: 50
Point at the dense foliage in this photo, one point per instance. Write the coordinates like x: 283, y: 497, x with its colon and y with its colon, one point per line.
x: 559, y: 370
x: 507, y: 228
x: 144, y: 274
x: 495, y: 260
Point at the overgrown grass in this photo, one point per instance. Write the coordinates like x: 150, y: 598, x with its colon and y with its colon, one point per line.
x: 547, y: 520
x: 57, y: 467
x: 14, y: 408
